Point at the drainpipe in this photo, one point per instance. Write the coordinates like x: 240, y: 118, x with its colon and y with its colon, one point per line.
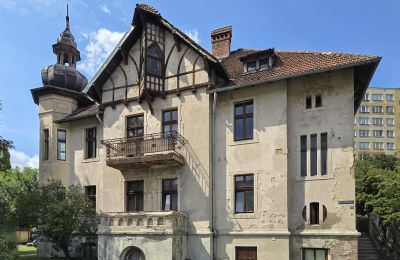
x: 213, y: 161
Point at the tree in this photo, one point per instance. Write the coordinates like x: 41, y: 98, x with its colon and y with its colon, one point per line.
x: 377, y: 187
x: 62, y: 214
x: 5, y: 146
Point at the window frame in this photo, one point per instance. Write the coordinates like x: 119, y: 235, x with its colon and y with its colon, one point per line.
x: 159, y: 59
x: 170, y: 192
x: 170, y: 122
x: 136, y: 195
x: 134, y: 128
x: 93, y: 140
x: 309, y: 102
x: 89, y: 193
x: 314, y: 216
x: 245, y: 189
x: 244, y: 116
x: 251, y: 62
x: 320, y: 103
x: 249, y: 248
x: 60, y: 141
x: 315, y: 252
x: 46, y: 144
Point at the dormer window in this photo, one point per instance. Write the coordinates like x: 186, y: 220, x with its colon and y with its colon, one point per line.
x: 154, y: 60
x: 251, y: 66
x: 264, y: 64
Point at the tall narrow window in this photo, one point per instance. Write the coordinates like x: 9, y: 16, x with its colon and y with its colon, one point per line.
x: 303, y: 156
x: 245, y: 253
x: 134, y: 196
x: 134, y: 126
x: 314, y: 213
x: 244, y: 120
x: 170, y: 195
x: 308, y: 102
x: 324, y: 153
x: 154, y: 60
x: 318, y: 101
x: 45, y: 144
x: 90, y: 192
x: 244, y: 193
x: 61, y: 145
x: 315, y: 254
x: 170, y: 120
x: 91, y: 144
x: 313, y: 155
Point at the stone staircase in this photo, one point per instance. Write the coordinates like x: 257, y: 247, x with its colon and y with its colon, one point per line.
x: 366, y: 249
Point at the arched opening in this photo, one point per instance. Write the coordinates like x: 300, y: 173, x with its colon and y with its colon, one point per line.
x: 133, y: 253
x: 154, y: 60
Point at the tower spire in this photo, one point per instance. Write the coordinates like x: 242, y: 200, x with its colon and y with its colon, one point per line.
x: 67, y: 20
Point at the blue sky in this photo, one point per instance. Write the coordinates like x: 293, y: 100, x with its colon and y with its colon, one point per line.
x: 29, y: 28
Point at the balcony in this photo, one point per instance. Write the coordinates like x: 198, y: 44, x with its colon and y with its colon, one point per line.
x: 152, y: 223
x: 153, y: 150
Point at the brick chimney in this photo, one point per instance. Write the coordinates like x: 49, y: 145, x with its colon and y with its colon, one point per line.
x: 221, y: 42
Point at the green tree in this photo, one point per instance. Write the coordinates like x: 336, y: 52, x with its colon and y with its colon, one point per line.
x: 378, y: 187
x: 62, y: 214
x: 5, y: 146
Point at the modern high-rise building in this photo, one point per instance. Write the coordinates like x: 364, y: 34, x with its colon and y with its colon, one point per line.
x: 377, y: 123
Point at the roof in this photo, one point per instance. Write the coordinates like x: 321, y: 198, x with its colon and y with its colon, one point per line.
x: 80, y: 113
x: 289, y: 64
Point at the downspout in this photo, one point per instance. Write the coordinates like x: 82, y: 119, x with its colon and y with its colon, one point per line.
x: 214, y: 234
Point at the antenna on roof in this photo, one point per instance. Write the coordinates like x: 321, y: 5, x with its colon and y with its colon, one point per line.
x: 67, y: 19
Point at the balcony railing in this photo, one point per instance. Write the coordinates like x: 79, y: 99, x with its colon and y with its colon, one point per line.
x: 143, y: 223
x: 144, y: 151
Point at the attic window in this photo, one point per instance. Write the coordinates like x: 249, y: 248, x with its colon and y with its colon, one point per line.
x: 258, y: 65
x: 154, y: 60
x: 251, y: 66
x: 264, y: 64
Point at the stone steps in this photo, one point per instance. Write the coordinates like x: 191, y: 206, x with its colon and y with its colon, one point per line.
x: 366, y: 249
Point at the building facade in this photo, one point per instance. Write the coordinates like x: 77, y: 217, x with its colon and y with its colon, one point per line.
x: 377, y: 123
x: 244, y: 154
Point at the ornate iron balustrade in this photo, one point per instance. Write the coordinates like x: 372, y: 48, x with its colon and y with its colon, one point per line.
x: 144, y: 150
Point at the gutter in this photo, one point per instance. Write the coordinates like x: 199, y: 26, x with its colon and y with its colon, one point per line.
x: 295, y: 75
x: 213, y: 146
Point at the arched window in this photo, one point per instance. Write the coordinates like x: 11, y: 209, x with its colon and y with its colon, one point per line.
x: 154, y: 60
x: 135, y: 254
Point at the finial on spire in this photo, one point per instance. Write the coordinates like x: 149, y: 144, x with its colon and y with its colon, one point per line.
x: 67, y: 19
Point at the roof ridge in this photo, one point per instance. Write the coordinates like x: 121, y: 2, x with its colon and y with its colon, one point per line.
x: 333, y: 53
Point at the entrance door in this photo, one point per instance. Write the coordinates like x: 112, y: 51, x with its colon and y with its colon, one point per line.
x: 135, y: 254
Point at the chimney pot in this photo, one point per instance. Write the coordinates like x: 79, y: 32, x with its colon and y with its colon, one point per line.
x: 221, y: 41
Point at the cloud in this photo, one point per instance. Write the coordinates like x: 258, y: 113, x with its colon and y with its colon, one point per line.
x: 22, y: 160
x: 101, y: 43
x: 105, y: 9
x: 193, y: 34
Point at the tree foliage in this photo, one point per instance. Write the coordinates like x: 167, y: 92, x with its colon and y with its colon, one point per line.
x: 5, y: 146
x: 378, y: 187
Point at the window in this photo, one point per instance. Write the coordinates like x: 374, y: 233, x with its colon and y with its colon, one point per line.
x: 314, y: 213
x: 378, y: 146
x: 90, y: 143
x: 313, y: 155
x: 251, y: 66
x: 364, y: 120
x: 318, y: 101
x: 154, y: 60
x: 377, y: 97
x: 134, y: 196
x: 377, y: 121
x: 364, y: 109
x: 303, y: 159
x: 363, y: 156
x: 243, y: 121
x: 377, y: 109
x: 61, y: 145
x: 389, y: 97
x: 170, y: 120
x: 390, y: 133
x: 390, y: 146
x: 364, y: 133
x: 134, y: 126
x: 244, y: 193
x: 245, y: 253
x: 364, y: 146
x: 378, y: 133
x: 90, y: 192
x: 308, y: 102
x: 390, y: 121
x: 45, y: 144
x: 170, y: 195
x: 264, y: 63
x: 390, y: 110
x: 315, y: 254
x: 366, y: 97
x: 324, y: 153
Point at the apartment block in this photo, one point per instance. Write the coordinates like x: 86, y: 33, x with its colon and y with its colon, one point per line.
x: 376, y: 124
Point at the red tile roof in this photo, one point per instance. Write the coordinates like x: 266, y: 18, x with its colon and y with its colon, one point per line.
x: 290, y: 64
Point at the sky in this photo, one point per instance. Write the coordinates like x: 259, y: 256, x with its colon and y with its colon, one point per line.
x: 29, y: 28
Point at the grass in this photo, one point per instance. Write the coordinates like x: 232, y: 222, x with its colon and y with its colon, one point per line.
x: 26, y: 250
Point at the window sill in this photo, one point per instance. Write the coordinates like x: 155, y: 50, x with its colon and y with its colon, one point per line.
x: 242, y: 142
x: 243, y: 215
x: 313, y: 109
x: 97, y: 159
x: 315, y: 178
